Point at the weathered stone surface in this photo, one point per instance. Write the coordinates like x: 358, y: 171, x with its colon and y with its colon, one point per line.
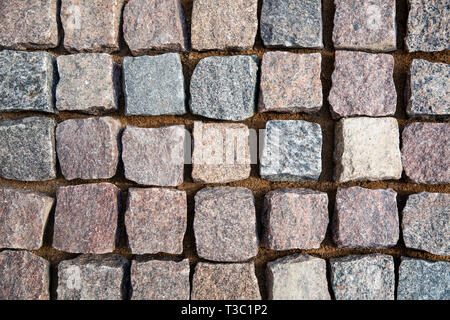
x: 24, y: 276
x: 156, y: 220
x: 221, y: 152
x: 88, y: 82
x: 27, y: 80
x: 23, y: 217
x: 91, y: 26
x: 27, y: 149
x: 292, y: 23
x: 88, y: 148
x: 428, y: 28
x: 224, y: 88
x: 93, y: 277
x: 290, y: 82
x: 154, y: 85
x: 28, y: 24
x: 154, y: 25
x: 367, y: 277
x: 225, y: 224
x: 86, y: 218
x: 235, y: 281
x: 297, y: 277
x: 224, y: 24
x: 365, y: 25
x: 292, y: 151
x: 428, y: 89
x: 363, y: 85
x: 367, y: 149
x: 425, y: 152
x: 160, y: 280
x: 154, y: 156
x: 426, y: 222
x: 423, y: 280
x: 295, y: 218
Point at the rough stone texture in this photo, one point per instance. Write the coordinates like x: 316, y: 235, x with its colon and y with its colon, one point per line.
x: 225, y: 224
x: 88, y: 82
x: 154, y: 85
x: 154, y: 156
x: 154, y: 25
x: 428, y: 89
x: 224, y: 88
x: 88, y: 148
x: 28, y: 24
x: 297, y: 277
x: 292, y: 151
x: 290, y: 82
x: 160, y: 280
x: 365, y: 218
x: 292, y: 23
x: 368, y: 277
x: 426, y: 222
x: 295, y: 218
x: 156, y: 220
x: 27, y: 149
x: 425, y: 152
x: 221, y: 152
x: 428, y: 26
x: 365, y: 25
x: 86, y: 218
x: 363, y: 85
x: 23, y: 217
x: 224, y: 24
x: 235, y: 281
x: 93, y: 277
x: 91, y: 26
x: 27, y: 80
x: 24, y: 276
x: 367, y: 149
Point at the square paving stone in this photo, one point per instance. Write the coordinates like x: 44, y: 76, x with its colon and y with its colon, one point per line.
x: 292, y: 151
x: 425, y: 152
x: 365, y: 25
x: 160, y: 280
x: 363, y: 85
x: 365, y: 218
x: 235, y: 281
x: 423, y: 280
x: 154, y: 156
x: 295, y: 218
x: 224, y: 24
x: 221, y: 152
x: 297, y: 277
x: 367, y: 277
x: 426, y: 222
x: 27, y: 80
x: 154, y: 85
x: 367, y: 149
x: 88, y: 83
x: 93, y: 277
x: 24, y: 276
x: 156, y: 220
x: 225, y: 224
x: 154, y: 25
x: 23, y: 217
x: 28, y: 24
x: 86, y: 218
x: 292, y: 23
x: 290, y: 82
x: 224, y: 88
x: 91, y: 26
x: 27, y: 149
